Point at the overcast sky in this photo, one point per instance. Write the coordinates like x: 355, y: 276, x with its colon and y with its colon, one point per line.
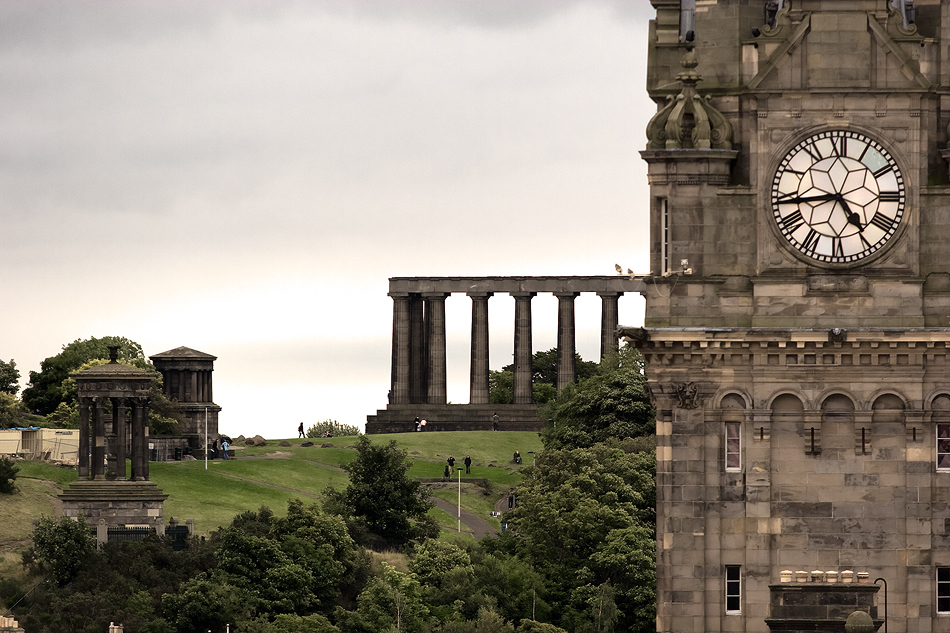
x: 242, y: 178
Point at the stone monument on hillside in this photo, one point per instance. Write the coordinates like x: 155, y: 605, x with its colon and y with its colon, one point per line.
x: 186, y: 375
x: 107, y: 494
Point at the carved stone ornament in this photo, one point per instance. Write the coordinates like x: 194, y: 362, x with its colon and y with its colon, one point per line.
x: 837, y: 335
x: 689, y: 120
x: 777, y: 21
x: 687, y: 394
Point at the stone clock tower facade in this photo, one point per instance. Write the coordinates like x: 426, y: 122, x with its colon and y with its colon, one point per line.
x: 797, y: 330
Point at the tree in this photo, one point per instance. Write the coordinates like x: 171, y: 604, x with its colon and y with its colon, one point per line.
x: 8, y: 471
x: 612, y: 403
x: 63, y: 546
x: 382, y: 502
x: 586, y: 517
x: 543, y: 378
x: 9, y: 378
x: 13, y: 414
x: 206, y: 604
x: 392, y: 602
x: 44, y: 392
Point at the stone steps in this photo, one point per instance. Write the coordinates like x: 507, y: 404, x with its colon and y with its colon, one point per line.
x: 399, y: 418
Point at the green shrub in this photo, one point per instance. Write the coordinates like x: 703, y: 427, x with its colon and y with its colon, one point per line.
x: 8, y: 471
x: 333, y: 428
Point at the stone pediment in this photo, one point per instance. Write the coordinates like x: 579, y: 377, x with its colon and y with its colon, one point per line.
x: 840, y: 50
x: 183, y: 353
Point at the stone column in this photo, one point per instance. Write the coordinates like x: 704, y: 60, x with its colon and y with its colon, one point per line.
x: 139, y: 441
x: 566, y: 373
x: 194, y: 386
x: 181, y: 385
x: 98, y: 440
x: 609, y: 319
x: 522, y: 377
x: 121, y: 437
x: 478, y: 384
x: 210, y: 394
x: 417, y: 350
x: 82, y: 457
x: 435, y: 336
x: 400, y: 355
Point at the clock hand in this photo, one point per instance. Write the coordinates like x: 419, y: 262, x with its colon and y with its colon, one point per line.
x: 853, y: 217
x: 822, y: 198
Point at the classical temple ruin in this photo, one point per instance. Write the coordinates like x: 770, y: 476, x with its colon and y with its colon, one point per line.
x: 419, y: 356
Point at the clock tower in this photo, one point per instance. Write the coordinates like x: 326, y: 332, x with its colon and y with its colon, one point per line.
x: 797, y: 328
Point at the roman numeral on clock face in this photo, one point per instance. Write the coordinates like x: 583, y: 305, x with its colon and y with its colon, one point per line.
x: 883, y: 222
x: 791, y: 222
x: 810, y: 243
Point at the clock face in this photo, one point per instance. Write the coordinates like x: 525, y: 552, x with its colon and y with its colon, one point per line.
x: 838, y: 197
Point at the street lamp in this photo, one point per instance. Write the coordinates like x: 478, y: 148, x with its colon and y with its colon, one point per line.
x: 460, y: 498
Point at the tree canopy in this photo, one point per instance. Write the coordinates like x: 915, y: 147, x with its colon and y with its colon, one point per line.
x: 586, y: 522
x: 9, y: 378
x: 610, y: 404
x: 45, y: 390
x: 543, y: 378
x: 382, y: 502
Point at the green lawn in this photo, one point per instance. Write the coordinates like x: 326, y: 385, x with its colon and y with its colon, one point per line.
x: 271, y: 475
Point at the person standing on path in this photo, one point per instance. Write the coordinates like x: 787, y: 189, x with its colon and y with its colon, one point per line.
x: 494, y: 422
x: 468, y: 465
x: 300, y: 432
x: 224, y: 448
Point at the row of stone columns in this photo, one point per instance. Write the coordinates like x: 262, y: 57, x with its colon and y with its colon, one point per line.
x: 419, y: 358
x: 92, y: 442
x: 189, y: 385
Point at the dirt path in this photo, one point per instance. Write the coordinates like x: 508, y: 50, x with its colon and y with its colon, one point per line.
x: 480, y: 527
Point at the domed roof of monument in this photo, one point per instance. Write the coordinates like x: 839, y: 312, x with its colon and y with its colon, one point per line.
x: 183, y: 353
x: 113, y: 370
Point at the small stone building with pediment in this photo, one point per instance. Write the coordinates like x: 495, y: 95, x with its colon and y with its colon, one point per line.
x: 187, y: 380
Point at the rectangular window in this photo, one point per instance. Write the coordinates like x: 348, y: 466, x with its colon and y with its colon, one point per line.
x: 665, y: 256
x: 733, y: 589
x: 943, y: 446
x: 943, y: 590
x: 733, y: 446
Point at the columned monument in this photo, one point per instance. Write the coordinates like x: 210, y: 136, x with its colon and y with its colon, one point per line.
x: 186, y: 377
x: 418, y: 351
x: 797, y: 328
x: 108, y: 494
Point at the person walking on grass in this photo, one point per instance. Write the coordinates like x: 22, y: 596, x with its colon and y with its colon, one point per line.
x: 300, y: 432
x: 468, y: 465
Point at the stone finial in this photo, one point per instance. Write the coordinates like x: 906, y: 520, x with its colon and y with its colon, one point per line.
x: 859, y: 622
x: 689, y: 120
x: 113, y: 353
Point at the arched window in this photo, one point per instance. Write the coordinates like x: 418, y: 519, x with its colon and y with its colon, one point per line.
x: 733, y: 414
x: 941, y: 418
x: 788, y: 410
x: 886, y: 409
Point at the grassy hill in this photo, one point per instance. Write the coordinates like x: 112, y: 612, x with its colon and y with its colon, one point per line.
x: 270, y: 475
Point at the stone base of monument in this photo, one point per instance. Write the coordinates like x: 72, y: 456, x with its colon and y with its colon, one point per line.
x: 120, y: 507
x: 819, y: 607
x: 398, y: 418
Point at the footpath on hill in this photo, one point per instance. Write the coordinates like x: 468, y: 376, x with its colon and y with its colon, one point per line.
x: 480, y: 527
